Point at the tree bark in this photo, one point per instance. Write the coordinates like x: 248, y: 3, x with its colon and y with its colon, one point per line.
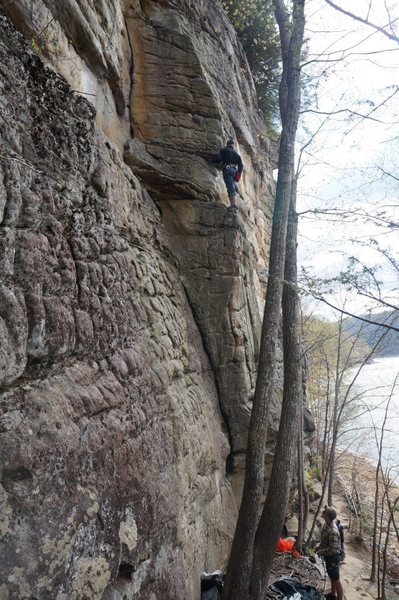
x: 378, y: 471
x: 303, y: 494
x: 300, y: 476
x: 240, y: 563
x: 385, y: 557
x: 281, y: 476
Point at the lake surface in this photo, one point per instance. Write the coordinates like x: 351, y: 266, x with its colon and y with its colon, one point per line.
x: 378, y: 384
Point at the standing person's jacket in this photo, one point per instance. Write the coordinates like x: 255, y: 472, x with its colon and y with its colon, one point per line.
x: 330, y: 542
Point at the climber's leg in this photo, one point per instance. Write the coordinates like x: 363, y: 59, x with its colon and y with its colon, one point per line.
x: 228, y: 176
x: 233, y: 200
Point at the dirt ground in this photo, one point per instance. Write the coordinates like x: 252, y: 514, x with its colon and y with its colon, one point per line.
x: 356, y: 568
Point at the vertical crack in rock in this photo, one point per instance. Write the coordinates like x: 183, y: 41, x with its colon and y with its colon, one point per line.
x: 211, y: 359
x: 210, y: 256
x: 130, y: 95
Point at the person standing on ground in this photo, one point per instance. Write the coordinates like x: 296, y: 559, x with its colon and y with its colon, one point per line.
x: 232, y: 169
x: 329, y: 549
x: 340, y: 528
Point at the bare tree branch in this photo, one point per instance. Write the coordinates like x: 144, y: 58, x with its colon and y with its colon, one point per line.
x: 382, y: 30
x: 349, y: 314
x: 344, y: 110
x: 388, y: 174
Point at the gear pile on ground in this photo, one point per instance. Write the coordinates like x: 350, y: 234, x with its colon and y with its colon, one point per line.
x: 286, y: 565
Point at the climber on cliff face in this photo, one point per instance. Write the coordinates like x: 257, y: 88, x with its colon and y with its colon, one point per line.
x: 232, y: 169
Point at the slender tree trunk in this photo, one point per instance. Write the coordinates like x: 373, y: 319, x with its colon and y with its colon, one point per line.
x: 305, y: 510
x: 325, y: 445
x: 300, y: 483
x: 392, y: 510
x: 385, y: 556
x: 337, y: 387
x: 321, y: 500
x: 378, y: 470
x: 379, y: 543
x: 391, y: 521
x: 303, y: 496
x: 303, y: 514
x: 240, y: 563
x: 375, y: 524
x: 331, y: 470
x: 281, y: 476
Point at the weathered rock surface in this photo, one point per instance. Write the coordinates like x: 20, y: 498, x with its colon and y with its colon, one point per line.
x: 111, y: 432
x: 130, y: 298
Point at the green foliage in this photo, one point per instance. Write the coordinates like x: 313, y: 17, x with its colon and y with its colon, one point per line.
x: 257, y: 30
x: 40, y: 41
x: 312, y: 481
x: 313, y: 472
x: 6, y: 480
x: 365, y: 521
x: 325, y: 344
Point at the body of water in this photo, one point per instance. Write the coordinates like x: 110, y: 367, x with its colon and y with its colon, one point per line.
x: 377, y: 391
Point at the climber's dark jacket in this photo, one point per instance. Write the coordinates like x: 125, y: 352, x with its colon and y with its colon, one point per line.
x: 228, y: 156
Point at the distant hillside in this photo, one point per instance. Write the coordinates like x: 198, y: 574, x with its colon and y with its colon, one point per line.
x: 370, y: 333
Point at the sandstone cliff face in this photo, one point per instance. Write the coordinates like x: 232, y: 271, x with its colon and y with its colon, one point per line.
x: 130, y: 298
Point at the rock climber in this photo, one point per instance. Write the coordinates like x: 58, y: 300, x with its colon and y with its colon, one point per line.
x: 329, y: 549
x: 232, y: 168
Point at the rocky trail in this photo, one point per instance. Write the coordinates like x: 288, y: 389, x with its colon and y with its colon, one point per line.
x: 355, y: 570
x: 356, y: 567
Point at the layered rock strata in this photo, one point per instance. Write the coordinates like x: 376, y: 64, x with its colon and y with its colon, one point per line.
x: 130, y: 298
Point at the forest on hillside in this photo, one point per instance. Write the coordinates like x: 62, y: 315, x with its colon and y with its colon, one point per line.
x: 372, y: 333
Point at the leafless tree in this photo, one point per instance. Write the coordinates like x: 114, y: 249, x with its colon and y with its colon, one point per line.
x: 378, y: 472
x: 241, y: 559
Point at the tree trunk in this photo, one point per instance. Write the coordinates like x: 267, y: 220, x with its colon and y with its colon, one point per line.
x: 306, y: 510
x: 321, y: 500
x: 337, y: 392
x: 325, y: 444
x: 331, y: 470
x: 240, y: 563
x: 300, y: 484
x: 392, y: 511
x: 378, y: 471
x: 302, y: 492
x: 379, y: 543
x: 375, y: 520
x: 281, y: 476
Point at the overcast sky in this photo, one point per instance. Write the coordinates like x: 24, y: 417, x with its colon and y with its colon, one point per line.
x: 343, y: 166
